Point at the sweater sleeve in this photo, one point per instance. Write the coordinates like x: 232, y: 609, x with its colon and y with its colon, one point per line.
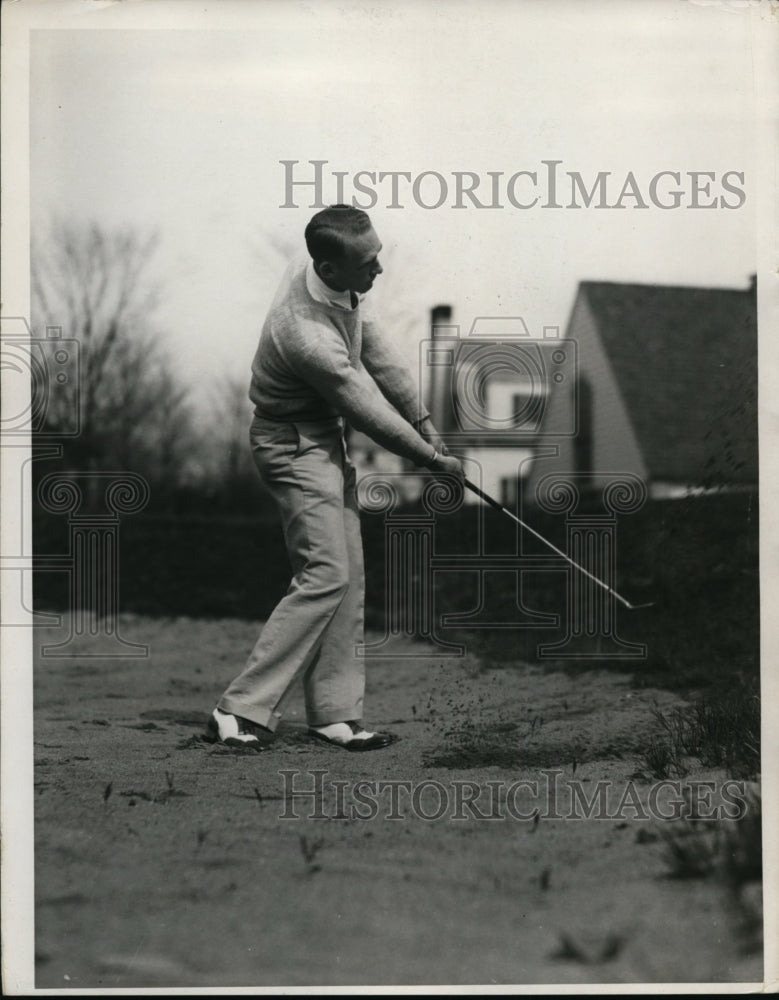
x: 385, y: 364
x: 319, y: 356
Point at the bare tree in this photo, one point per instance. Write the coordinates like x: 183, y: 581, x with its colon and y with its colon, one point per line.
x: 98, y: 285
x: 232, y: 411
x: 230, y: 468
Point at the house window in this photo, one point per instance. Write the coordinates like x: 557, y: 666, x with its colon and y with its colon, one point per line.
x: 508, y: 491
x: 527, y: 405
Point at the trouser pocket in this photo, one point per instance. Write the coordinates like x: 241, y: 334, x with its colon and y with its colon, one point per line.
x: 325, y: 434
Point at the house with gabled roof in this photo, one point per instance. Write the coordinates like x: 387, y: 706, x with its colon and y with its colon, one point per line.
x: 666, y: 388
x: 658, y: 381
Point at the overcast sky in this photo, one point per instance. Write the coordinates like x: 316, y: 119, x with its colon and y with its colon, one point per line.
x: 182, y: 130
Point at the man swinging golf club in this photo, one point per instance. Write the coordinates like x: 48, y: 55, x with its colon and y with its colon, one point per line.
x: 322, y: 360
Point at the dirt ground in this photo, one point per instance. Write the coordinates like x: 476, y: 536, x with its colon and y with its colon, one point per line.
x: 164, y: 860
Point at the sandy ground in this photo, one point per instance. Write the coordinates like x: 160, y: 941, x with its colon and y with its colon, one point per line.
x: 163, y: 860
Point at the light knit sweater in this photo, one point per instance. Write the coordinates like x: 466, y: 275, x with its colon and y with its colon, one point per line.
x: 316, y: 361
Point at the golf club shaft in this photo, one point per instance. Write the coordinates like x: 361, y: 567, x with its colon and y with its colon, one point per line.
x: 494, y: 503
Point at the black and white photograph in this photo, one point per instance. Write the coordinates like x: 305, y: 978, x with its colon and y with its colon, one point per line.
x: 387, y: 454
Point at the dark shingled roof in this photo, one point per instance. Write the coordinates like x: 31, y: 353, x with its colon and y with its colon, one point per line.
x: 685, y: 360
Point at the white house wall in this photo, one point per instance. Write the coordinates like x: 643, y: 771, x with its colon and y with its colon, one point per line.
x: 614, y: 445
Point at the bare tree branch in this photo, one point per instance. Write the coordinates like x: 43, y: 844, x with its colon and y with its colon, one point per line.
x: 100, y: 286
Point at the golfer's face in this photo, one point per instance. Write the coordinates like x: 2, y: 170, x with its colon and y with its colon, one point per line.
x: 361, y: 265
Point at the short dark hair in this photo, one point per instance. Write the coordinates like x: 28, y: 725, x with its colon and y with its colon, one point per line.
x: 328, y: 232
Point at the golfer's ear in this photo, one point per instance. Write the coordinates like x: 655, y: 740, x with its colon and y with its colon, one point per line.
x: 326, y: 269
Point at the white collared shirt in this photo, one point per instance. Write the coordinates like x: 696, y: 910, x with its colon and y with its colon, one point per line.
x: 321, y: 292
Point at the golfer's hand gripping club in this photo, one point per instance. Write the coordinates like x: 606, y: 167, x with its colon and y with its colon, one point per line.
x: 426, y: 429
x: 448, y: 465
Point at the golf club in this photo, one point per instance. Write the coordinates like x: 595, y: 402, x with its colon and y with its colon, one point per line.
x: 494, y: 503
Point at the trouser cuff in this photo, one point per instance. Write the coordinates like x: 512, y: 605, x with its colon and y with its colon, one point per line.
x: 261, y: 716
x: 327, y: 718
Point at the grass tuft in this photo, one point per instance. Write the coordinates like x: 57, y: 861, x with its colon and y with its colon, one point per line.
x: 721, y: 728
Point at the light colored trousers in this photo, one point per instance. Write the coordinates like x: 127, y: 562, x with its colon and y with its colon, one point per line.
x: 313, y: 631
